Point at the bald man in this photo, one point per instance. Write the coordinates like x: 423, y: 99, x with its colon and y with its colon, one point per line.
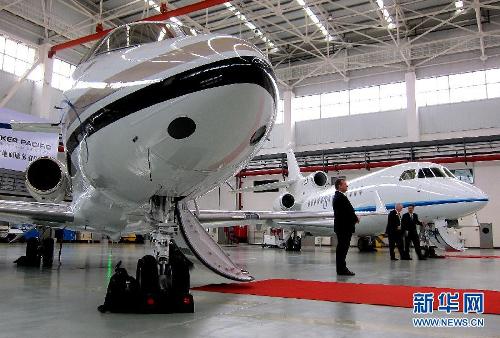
x: 394, y: 232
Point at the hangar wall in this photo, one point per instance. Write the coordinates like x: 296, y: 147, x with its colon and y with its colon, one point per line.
x: 453, y: 120
x: 462, y: 116
x: 22, y: 101
x: 336, y: 130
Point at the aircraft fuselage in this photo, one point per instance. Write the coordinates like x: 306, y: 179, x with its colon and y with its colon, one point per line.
x: 171, y: 118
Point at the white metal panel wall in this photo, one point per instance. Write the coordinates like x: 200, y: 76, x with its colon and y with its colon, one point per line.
x: 275, y: 137
x: 462, y: 116
x: 21, y: 101
x: 56, y: 97
x: 358, y: 79
x: 371, y: 126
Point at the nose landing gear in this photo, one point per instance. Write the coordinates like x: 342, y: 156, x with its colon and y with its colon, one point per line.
x: 162, y: 281
x: 366, y: 244
x: 159, y: 286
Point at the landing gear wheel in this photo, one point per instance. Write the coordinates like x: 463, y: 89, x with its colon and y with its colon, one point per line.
x: 430, y: 252
x: 366, y: 244
x: 47, y: 251
x: 425, y: 251
x: 32, y: 257
x: 293, y: 243
x: 147, y: 274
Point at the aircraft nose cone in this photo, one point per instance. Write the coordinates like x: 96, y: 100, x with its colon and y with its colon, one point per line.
x: 481, y: 198
x: 481, y: 195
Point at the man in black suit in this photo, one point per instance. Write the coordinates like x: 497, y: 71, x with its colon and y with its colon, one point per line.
x: 409, y: 225
x: 394, y: 232
x: 344, y: 223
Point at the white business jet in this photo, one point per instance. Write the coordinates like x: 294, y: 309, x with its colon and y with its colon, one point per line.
x: 156, y: 117
x: 440, y: 199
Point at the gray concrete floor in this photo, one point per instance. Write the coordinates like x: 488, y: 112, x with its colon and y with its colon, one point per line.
x: 61, y: 302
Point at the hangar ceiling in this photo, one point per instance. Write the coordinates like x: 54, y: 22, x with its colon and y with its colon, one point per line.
x: 303, y: 38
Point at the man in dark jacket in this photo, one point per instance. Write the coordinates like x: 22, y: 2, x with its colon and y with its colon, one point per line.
x: 344, y: 223
x: 409, y: 225
x: 394, y: 232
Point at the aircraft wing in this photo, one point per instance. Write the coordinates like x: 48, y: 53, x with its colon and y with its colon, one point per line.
x: 327, y: 223
x: 222, y: 218
x: 218, y: 218
x: 207, y: 216
x: 215, y: 218
x: 34, y: 212
x: 263, y: 187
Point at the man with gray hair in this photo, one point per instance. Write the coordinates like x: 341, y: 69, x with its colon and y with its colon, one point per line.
x: 344, y: 225
x: 394, y: 232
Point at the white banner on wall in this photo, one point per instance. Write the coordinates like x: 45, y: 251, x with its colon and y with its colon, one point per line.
x: 18, y: 149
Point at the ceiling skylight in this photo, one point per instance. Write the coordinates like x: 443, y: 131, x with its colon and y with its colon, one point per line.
x: 387, y: 17
x: 257, y: 32
x: 315, y: 20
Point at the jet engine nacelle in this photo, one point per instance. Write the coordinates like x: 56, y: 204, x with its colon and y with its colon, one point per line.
x: 47, y: 180
x: 284, y: 202
x: 318, y: 179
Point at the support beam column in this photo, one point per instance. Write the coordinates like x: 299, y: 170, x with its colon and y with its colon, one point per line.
x: 42, y: 91
x: 288, y: 124
x: 412, y: 120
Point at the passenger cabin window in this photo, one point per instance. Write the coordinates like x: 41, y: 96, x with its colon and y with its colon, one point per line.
x: 407, y: 175
x: 438, y: 172
x: 133, y: 35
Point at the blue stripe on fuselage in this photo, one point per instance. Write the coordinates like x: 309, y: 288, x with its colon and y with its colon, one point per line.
x: 390, y: 206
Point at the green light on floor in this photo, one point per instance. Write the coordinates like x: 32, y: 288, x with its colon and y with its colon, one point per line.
x: 109, y: 269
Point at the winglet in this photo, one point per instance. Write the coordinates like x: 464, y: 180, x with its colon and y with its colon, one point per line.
x: 379, y: 205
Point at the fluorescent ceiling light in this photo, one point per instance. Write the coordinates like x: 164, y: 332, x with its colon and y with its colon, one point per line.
x: 387, y: 17
x: 257, y: 32
x: 153, y: 4
x: 315, y: 20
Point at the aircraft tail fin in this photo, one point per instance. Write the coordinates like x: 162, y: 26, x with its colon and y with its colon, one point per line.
x: 292, y: 183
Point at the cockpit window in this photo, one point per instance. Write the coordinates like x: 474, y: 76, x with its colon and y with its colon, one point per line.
x: 425, y: 173
x: 135, y: 34
x: 448, y: 172
x: 189, y: 31
x: 408, y: 175
x: 428, y: 173
x: 421, y: 173
x: 438, y: 172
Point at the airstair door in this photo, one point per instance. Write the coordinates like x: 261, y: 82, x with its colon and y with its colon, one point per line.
x: 196, y: 243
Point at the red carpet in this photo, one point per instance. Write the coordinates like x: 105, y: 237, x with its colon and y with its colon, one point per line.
x: 375, y: 294
x: 470, y: 256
